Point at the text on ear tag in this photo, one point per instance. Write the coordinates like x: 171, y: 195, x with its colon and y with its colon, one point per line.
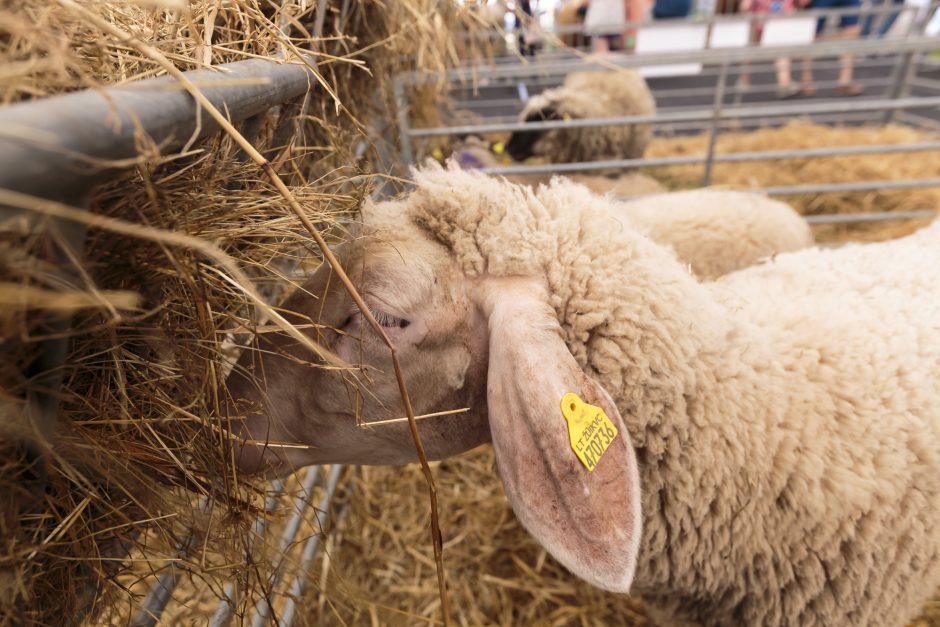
x: 590, y: 430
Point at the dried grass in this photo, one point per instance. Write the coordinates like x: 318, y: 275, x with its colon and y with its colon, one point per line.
x: 800, y: 135
x: 151, y: 336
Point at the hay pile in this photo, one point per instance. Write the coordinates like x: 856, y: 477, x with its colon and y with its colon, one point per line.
x: 381, y: 572
x: 155, y: 316
x: 799, y: 135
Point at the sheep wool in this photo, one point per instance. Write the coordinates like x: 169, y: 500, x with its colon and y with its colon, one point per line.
x: 720, y: 231
x: 786, y: 418
x: 587, y: 95
x: 716, y: 231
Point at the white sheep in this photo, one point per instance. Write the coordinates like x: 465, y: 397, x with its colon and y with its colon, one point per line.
x: 715, y: 231
x: 587, y: 95
x: 777, y: 460
x: 719, y: 231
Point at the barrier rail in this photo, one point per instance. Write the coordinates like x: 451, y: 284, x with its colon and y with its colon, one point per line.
x: 901, y: 56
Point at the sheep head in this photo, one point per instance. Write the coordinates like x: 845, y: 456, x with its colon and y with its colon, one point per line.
x: 470, y: 332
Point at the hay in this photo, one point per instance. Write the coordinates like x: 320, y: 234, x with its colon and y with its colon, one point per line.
x: 799, y: 135
x: 380, y: 570
x: 155, y: 317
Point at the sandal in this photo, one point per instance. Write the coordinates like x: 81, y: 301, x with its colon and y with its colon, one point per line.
x: 850, y: 89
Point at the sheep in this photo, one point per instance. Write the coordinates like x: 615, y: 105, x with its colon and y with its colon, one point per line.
x: 719, y: 231
x: 715, y: 231
x: 587, y: 95
x: 776, y: 457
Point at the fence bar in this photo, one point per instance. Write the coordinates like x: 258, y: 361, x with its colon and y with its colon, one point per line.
x: 765, y: 67
x: 709, y: 56
x: 866, y: 186
x: 310, y: 549
x: 162, y: 591
x: 925, y: 83
x: 716, y: 123
x: 918, y: 120
x: 57, y: 145
x: 263, y: 607
x: 736, y: 157
x: 803, y: 109
x: 881, y: 216
x: 223, y: 613
x: 402, y: 111
x: 825, y: 188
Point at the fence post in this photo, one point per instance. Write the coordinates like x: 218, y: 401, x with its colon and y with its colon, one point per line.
x: 904, y: 72
x: 401, y: 113
x: 716, y: 123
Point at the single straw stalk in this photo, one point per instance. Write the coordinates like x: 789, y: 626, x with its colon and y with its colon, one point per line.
x: 265, y: 165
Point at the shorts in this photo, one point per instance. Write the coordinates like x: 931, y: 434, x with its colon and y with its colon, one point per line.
x: 666, y: 9
x: 845, y: 21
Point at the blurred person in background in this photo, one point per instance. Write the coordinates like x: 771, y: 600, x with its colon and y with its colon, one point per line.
x: 848, y: 29
x: 528, y: 31
x: 671, y: 9
x: 605, y: 21
x: 785, y: 86
x: 887, y: 19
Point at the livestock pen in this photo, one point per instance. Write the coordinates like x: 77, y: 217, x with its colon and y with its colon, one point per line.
x: 378, y: 562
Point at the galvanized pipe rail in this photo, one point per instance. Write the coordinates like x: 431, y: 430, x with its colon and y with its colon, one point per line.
x: 697, y: 115
x: 718, y: 115
x: 710, y: 56
x: 66, y: 144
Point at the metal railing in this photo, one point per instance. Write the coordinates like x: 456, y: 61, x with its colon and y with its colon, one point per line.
x: 484, y: 89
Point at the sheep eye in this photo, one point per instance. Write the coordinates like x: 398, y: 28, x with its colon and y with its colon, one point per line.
x: 388, y: 321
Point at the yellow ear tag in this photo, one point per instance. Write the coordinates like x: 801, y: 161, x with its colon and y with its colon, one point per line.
x: 498, y: 148
x: 590, y: 430
x: 438, y: 154
x: 565, y: 117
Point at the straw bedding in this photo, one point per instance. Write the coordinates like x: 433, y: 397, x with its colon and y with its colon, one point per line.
x: 156, y: 312
x: 799, y: 135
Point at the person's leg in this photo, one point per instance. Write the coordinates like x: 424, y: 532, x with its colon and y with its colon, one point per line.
x: 868, y: 23
x: 600, y: 44
x: 889, y: 20
x: 785, y: 86
x: 783, y: 71
x: 849, y: 28
x: 847, y: 61
x: 806, y: 78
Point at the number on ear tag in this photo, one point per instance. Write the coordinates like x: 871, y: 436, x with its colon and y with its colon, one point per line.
x: 590, y: 430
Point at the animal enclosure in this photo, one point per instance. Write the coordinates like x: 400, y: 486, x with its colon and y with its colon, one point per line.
x: 348, y: 545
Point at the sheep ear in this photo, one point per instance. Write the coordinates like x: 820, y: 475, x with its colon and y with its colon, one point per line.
x: 588, y: 519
